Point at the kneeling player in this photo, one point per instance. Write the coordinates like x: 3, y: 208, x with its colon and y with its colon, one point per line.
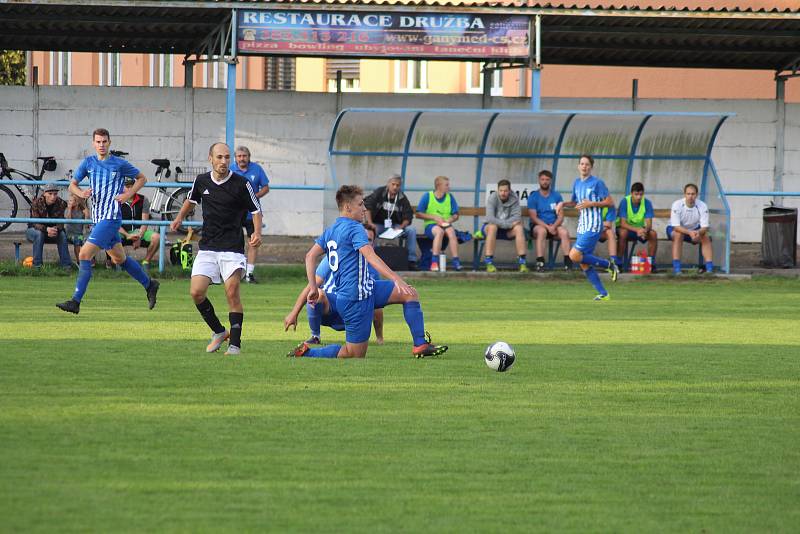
x: 349, y: 253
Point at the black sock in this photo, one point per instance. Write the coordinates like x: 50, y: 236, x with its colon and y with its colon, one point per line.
x: 567, y: 260
x: 236, y: 320
x: 539, y: 259
x: 207, y: 311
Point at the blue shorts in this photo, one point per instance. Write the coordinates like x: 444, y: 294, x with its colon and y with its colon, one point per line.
x: 686, y: 238
x: 332, y: 319
x: 105, y: 234
x: 586, y: 242
x: 381, y: 292
x: 502, y: 233
x: 357, y: 315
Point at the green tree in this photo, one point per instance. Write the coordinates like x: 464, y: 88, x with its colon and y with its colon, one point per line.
x: 12, y: 67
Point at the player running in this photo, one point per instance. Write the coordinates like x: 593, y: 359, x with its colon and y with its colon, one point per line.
x: 590, y: 196
x: 358, y: 294
x: 107, y: 174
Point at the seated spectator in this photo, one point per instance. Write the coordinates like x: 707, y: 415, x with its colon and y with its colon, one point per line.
x: 388, y: 207
x: 138, y: 209
x: 689, y: 222
x: 439, y: 210
x: 48, y: 205
x: 609, y: 233
x: 503, y: 221
x: 545, y: 222
x: 636, y: 222
x: 77, y: 208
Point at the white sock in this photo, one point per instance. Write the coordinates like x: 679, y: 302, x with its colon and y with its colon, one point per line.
x: 250, y: 268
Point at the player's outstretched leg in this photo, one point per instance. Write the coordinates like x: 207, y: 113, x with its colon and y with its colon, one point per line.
x: 304, y: 351
x: 73, y: 305
x: 594, y: 279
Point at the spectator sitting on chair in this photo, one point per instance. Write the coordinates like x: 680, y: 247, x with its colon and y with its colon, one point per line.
x: 689, y: 222
x: 609, y: 232
x: 138, y: 209
x: 504, y: 221
x: 77, y: 208
x: 636, y: 222
x: 260, y: 183
x: 388, y: 207
x: 545, y: 222
x: 48, y: 206
x: 439, y: 210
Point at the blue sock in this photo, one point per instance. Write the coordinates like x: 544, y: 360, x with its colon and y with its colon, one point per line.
x: 328, y: 351
x: 412, y: 312
x: 709, y: 266
x: 314, y: 312
x: 591, y: 259
x: 135, y: 270
x: 676, y: 266
x: 617, y: 260
x: 456, y: 262
x: 489, y: 260
x: 523, y: 260
x: 594, y: 278
x: 84, y: 275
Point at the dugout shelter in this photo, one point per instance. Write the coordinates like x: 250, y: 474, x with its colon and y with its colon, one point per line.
x: 476, y: 148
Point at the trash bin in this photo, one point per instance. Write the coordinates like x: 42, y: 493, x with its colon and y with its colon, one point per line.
x: 779, y: 237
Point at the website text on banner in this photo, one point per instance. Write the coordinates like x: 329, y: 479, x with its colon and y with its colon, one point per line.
x: 322, y: 33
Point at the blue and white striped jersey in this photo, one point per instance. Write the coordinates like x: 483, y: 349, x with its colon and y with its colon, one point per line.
x: 351, y: 275
x: 592, y: 188
x: 328, y: 284
x: 106, y: 178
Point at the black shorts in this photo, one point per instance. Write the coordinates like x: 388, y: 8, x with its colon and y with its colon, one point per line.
x: 248, y: 227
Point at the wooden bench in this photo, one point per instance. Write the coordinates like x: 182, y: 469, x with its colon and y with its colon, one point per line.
x: 471, y: 211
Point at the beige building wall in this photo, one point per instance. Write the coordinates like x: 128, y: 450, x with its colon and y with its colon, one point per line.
x: 310, y: 74
x: 448, y: 77
x: 377, y: 76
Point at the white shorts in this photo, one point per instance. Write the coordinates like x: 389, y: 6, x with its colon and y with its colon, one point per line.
x: 218, y: 266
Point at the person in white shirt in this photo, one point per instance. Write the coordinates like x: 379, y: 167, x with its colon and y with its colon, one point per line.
x: 689, y: 222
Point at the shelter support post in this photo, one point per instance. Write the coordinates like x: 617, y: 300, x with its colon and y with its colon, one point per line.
x: 780, y: 133
x: 230, y: 105
x: 536, y: 66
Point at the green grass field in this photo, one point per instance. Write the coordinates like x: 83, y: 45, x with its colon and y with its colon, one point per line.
x: 673, y: 407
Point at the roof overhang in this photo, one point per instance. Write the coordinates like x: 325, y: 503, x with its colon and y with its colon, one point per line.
x: 574, y: 35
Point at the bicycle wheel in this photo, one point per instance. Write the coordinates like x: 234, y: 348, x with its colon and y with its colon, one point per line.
x: 8, y: 205
x: 174, y: 204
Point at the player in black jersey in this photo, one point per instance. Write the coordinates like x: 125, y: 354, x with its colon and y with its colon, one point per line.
x: 226, y: 198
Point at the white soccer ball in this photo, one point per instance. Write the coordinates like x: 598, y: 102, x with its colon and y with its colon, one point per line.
x: 499, y: 356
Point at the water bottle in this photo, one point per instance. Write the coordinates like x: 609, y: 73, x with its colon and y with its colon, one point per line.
x: 442, y: 263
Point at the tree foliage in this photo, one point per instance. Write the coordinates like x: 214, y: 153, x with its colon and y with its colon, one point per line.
x: 12, y: 67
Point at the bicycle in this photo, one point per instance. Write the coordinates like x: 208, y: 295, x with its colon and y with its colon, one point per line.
x: 168, y: 204
x: 8, y: 200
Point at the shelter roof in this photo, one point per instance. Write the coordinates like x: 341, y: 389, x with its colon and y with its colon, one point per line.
x: 740, y: 34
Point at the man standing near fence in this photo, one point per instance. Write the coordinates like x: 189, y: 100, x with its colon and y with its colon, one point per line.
x: 259, y: 181
x: 107, y: 174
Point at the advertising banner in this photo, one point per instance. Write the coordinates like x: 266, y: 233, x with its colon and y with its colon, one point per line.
x: 413, y: 35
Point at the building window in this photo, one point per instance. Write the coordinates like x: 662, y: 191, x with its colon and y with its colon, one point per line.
x: 279, y: 73
x: 475, y: 79
x: 351, y: 74
x: 60, y: 68
x: 161, y: 70
x: 110, y: 71
x: 410, y: 76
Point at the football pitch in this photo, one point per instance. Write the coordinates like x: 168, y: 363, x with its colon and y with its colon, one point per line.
x: 673, y: 407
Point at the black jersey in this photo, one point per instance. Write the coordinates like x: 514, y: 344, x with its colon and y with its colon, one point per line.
x: 224, y: 204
